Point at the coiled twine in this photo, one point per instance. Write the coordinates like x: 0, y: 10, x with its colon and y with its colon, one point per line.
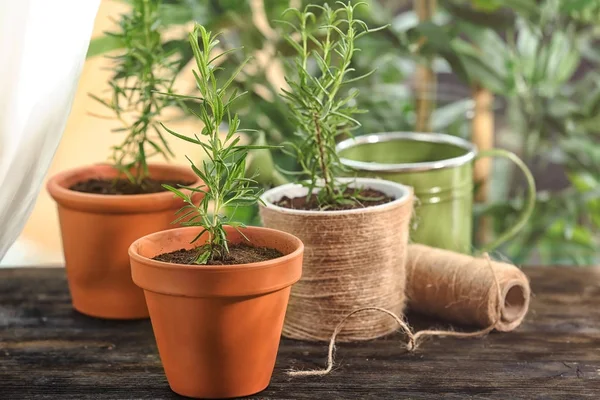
x: 460, y: 288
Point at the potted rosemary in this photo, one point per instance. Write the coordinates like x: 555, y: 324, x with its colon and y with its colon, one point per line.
x: 104, y: 208
x: 355, y: 230
x: 217, y: 291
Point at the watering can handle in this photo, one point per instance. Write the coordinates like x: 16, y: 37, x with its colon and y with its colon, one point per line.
x: 529, y: 202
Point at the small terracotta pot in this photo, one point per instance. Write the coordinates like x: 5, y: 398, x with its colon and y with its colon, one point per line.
x: 217, y: 327
x: 98, y: 229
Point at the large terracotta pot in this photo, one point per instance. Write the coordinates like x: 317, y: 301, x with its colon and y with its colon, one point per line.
x: 217, y: 327
x: 98, y: 229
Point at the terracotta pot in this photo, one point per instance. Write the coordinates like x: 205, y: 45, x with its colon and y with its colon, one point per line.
x: 98, y: 229
x: 354, y: 259
x: 217, y: 327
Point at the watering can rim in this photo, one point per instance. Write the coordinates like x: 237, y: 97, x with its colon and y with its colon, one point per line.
x: 441, y: 138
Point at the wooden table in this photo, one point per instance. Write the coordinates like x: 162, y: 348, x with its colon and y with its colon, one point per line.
x: 49, y: 351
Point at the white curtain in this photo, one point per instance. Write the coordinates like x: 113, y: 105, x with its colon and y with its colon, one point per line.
x: 43, y: 44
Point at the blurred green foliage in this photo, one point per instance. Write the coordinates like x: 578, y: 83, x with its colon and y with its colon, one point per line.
x: 540, y: 59
x: 544, y: 68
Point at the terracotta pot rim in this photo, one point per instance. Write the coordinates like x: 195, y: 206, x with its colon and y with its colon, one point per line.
x: 59, y: 191
x: 215, y: 281
x: 133, y: 253
x: 393, y: 188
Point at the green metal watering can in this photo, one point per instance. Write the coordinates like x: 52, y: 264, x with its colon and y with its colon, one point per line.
x: 440, y: 169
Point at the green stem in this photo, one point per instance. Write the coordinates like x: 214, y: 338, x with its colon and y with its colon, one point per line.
x: 322, y: 157
x: 142, y: 171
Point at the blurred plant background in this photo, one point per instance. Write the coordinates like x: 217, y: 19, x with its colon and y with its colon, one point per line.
x: 518, y: 74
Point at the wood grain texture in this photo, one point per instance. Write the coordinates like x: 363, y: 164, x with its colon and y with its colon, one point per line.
x: 49, y: 351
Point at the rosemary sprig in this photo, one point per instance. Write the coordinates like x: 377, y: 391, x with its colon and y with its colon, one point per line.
x: 223, y: 173
x: 141, y: 70
x: 319, y: 110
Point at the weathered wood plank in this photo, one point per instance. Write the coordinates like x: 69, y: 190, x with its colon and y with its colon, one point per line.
x: 49, y: 351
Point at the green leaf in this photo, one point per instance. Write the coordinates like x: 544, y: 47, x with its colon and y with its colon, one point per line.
x: 478, y: 70
x: 486, y: 5
x: 182, y: 137
x: 194, y: 189
x: 569, y: 6
x: 405, y: 21
x: 182, y: 217
x: 437, y: 39
x: 203, y: 257
x: 484, y: 13
x: 562, y: 60
x: 183, y: 13
x: 527, y: 8
x: 446, y: 115
x: 104, y: 44
x: 492, y: 48
x: 177, y: 192
x: 527, y: 48
x: 584, y: 181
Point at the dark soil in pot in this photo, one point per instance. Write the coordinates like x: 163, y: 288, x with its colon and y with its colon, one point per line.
x: 356, y: 199
x: 124, y: 186
x: 238, y: 254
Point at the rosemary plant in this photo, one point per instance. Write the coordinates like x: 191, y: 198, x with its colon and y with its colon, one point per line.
x: 319, y: 109
x: 143, y: 69
x: 223, y: 173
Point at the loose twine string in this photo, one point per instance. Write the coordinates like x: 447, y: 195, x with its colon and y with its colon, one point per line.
x: 414, y: 339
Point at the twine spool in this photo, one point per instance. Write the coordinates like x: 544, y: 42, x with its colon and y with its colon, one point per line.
x: 459, y: 288
x: 353, y: 259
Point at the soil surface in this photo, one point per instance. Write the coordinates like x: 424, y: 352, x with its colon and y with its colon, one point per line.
x: 123, y: 186
x: 238, y: 254
x: 357, y: 199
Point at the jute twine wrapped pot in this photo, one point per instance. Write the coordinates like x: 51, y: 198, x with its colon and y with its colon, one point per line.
x: 352, y: 259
